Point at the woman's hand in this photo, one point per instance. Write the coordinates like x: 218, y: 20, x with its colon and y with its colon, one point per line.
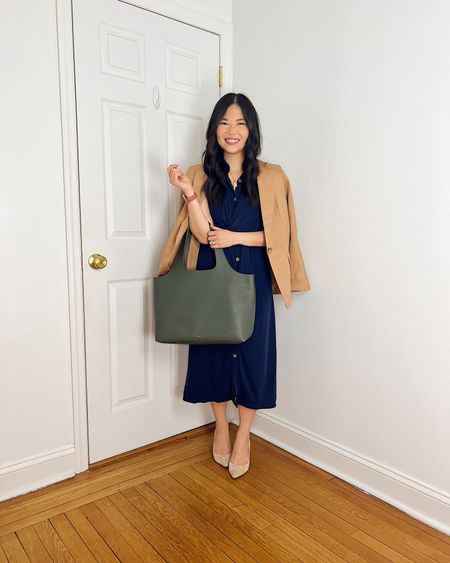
x: 221, y: 238
x: 179, y: 179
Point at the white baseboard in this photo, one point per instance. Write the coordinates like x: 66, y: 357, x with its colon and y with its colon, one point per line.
x: 406, y: 493
x: 36, y: 472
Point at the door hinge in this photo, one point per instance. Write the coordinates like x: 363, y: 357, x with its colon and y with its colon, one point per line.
x: 220, y: 75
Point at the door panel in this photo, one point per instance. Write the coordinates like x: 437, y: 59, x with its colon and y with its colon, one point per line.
x: 145, y: 87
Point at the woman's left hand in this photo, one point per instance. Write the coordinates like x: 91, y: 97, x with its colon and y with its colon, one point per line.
x: 221, y: 238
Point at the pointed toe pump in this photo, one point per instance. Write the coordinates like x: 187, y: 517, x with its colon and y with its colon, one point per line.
x: 238, y: 470
x: 221, y: 459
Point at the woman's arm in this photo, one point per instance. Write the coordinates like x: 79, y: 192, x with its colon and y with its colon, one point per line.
x: 251, y: 238
x: 199, y: 214
x: 198, y: 218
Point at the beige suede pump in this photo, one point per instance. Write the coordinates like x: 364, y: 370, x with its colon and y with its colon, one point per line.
x: 238, y: 470
x: 221, y: 459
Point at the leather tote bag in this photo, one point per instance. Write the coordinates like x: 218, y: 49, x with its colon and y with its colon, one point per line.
x: 212, y: 306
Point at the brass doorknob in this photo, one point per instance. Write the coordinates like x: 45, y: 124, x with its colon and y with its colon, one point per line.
x: 97, y: 261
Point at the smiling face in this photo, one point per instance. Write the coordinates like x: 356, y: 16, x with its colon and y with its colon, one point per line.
x: 232, y: 131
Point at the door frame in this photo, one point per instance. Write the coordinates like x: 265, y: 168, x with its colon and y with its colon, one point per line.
x: 66, y: 72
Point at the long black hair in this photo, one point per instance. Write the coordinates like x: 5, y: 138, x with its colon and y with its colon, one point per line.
x: 215, y: 166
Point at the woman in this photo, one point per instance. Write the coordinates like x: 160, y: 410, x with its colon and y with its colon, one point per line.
x: 244, y: 373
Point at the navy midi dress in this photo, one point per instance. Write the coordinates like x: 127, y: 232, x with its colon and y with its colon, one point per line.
x: 245, y: 372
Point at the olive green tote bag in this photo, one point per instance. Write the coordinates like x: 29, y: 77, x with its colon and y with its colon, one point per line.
x: 212, y: 306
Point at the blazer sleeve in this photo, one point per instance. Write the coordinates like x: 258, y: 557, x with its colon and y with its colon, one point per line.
x: 299, y: 277
x: 167, y: 257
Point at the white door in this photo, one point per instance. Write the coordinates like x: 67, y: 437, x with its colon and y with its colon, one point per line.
x: 145, y: 87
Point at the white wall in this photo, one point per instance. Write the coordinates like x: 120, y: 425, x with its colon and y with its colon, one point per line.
x: 36, y: 418
x: 353, y: 98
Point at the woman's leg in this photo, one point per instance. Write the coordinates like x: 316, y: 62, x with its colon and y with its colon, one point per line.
x: 241, y: 452
x: 222, y: 444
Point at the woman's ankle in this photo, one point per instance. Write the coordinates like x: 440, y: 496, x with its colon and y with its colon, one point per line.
x: 222, y: 425
x: 243, y: 433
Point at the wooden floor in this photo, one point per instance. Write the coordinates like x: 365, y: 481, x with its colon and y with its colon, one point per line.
x: 172, y: 502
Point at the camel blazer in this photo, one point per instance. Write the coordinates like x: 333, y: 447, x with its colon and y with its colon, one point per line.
x: 288, y: 272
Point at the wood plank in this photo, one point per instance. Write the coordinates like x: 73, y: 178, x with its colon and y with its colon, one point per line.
x: 33, y: 546
x: 183, y: 523
x: 91, y: 537
x: 145, y: 551
x: 52, y: 542
x: 71, y: 539
x: 381, y: 548
x: 148, y: 530
x: 165, y: 526
x: 12, y: 548
x: 111, y: 535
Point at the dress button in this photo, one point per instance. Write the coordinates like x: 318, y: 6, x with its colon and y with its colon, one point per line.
x: 237, y: 258
x: 234, y: 355
x: 235, y: 198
